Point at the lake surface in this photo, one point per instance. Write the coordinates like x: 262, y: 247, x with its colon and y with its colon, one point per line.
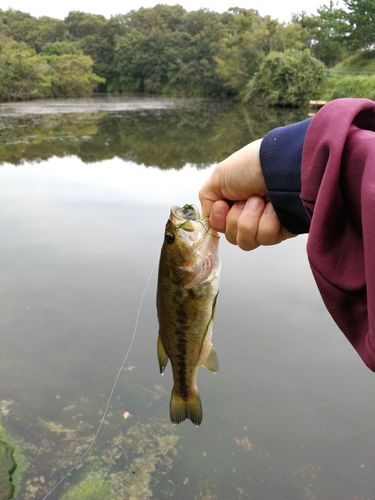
x: 86, y: 187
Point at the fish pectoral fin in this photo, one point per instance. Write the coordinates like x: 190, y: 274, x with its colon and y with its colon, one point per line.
x: 212, y: 363
x: 181, y: 409
x: 162, y: 355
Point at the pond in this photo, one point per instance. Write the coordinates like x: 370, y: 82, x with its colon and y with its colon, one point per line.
x: 86, y: 187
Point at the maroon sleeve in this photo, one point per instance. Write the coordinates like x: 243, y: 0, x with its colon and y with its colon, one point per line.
x: 338, y: 191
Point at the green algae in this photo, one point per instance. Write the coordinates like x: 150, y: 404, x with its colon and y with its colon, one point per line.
x: 153, y: 445
x: 56, y: 428
x: 136, y: 458
x: 7, y: 467
x: 127, y: 469
x: 13, y: 453
x: 92, y: 487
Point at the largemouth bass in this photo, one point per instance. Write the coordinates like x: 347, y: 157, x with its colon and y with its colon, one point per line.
x: 188, y: 285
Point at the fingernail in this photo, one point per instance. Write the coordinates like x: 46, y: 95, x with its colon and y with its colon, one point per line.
x: 218, y: 210
x: 269, y: 209
x: 253, y: 204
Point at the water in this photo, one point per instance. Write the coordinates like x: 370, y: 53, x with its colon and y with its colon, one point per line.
x: 290, y: 414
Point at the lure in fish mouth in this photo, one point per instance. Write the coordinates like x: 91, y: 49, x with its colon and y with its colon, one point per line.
x: 188, y: 285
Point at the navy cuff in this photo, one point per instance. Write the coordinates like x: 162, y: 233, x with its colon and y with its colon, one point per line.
x: 280, y: 158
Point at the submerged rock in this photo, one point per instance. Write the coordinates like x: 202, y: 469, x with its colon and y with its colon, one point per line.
x: 7, y: 467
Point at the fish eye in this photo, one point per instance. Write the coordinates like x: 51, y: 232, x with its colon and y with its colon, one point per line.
x: 169, y: 238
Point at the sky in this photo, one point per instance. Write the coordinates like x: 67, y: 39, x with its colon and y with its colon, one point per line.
x: 277, y: 9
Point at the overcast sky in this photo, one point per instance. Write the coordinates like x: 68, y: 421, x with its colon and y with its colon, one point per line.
x: 280, y: 9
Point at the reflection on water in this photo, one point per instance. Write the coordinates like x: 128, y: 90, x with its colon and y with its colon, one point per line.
x: 290, y: 413
x: 167, y: 133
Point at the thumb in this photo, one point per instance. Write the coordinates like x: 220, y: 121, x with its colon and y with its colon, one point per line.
x: 218, y: 215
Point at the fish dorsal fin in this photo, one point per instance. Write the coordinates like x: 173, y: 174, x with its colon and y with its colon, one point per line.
x: 212, y: 363
x: 162, y: 355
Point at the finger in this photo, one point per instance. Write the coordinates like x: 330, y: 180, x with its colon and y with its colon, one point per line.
x: 218, y: 215
x: 248, y: 222
x: 210, y: 192
x: 285, y: 234
x: 242, y: 223
x: 270, y: 229
x: 231, y: 227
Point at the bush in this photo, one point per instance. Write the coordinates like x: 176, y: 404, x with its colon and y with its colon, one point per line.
x: 291, y: 78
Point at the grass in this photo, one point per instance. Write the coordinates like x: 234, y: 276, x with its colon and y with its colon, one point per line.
x: 338, y: 85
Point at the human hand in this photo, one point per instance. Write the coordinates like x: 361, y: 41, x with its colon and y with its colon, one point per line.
x: 236, y: 200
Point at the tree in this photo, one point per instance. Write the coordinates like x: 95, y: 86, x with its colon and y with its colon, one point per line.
x: 142, y: 58
x: 292, y: 36
x: 23, y: 73
x: 249, y: 39
x: 288, y: 78
x: 360, y: 22
x: 166, y: 49
x: 139, y: 61
x: 96, y: 36
x: 23, y: 27
x: 80, y: 24
x: 165, y: 17
x: 331, y: 43
x: 60, y: 48
x: 190, y: 54
x: 73, y: 76
x: 341, y: 31
x: 102, y: 49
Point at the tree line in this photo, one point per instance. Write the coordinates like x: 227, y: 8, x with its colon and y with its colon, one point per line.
x: 167, y: 50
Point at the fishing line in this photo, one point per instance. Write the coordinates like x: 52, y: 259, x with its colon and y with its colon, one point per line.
x: 112, y: 391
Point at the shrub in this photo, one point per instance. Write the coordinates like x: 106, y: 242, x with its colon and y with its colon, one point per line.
x: 289, y: 78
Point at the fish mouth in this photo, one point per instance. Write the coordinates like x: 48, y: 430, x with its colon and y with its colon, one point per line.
x: 187, y: 212
x: 181, y: 217
x: 200, y: 241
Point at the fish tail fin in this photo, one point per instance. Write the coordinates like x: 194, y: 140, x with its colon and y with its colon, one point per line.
x: 181, y: 409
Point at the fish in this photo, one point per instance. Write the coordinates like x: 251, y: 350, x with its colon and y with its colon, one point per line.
x: 187, y: 290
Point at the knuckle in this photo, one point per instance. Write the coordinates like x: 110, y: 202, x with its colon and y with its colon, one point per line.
x: 247, y: 232
x: 231, y: 232
x: 247, y: 245
x: 246, y: 238
x: 269, y: 232
x: 231, y: 239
